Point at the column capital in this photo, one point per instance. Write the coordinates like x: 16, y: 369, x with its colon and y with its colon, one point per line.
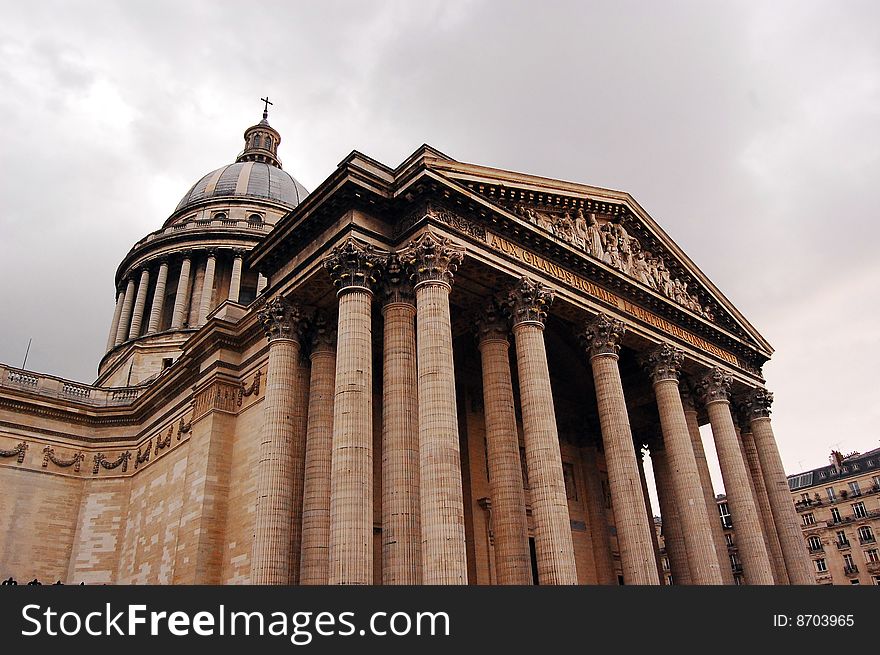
x: 739, y: 408
x: 395, y: 286
x: 211, y: 253
x: 714, y: 386
x: 280, y: 319
x: 663, y: 363
x: 323, y: 333
x: 432, y: 258
x: 758, y: 403
x: 352, y: 265
x: 528, y: 302
x: 602, y: 335
x: 238, y: 252
x: 491, y: 323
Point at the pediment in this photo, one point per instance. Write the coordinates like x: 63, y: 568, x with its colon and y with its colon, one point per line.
x: 613, y: 231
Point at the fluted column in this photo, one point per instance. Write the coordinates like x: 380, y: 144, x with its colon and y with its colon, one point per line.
x: 512, y: 558
x: 690, y: 414
x: 158, y: 298
x: 759, y: 493
x: 599, y: 534
x: 664, y: 367
x: 432, y: 261
x: 114, y: 326
x: 401, y: 511
x: 207, y: 289
x: 181, y: 298
x: 635, y: 537
x: 673, y: 535
x: 314, y: 563
x: 352, y: 268
x: 262, y: 281
x: 528, y: 304
x: 140, y: 302
x: 125, y: 316
x: 271, y: 560
x: 649, y: 514
x: 235, y: 279
x: 715, y: 392
x: 784, y: 514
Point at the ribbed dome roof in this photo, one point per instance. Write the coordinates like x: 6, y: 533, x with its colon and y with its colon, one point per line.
x: 246, y: 179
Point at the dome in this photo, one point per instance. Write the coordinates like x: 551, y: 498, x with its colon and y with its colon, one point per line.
x: 246, y: 179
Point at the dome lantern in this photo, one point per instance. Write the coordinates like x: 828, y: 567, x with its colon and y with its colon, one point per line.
x: 261, y: 141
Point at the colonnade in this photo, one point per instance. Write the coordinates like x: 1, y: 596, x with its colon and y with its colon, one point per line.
x: 423, y: 517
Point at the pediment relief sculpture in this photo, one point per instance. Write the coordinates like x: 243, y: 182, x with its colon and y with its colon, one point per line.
x: 609, y: 242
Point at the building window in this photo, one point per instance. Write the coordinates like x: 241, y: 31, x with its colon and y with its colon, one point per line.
x: 568, y: 478
x: 830, y: 492
x: 855, y: 581
x: 866, y: 535
x: 822, y: 474
x: 255, y: 219
x: 220, y: 216
x: 814, y: 543
x: 876, y: 480
x: 821, y: 566
x: 724, y: 511
x: 665, y: 563
x: 729, y: 539
x: 841, y: 538
x: 854, y: 488
x: 835, y: 515
x: 848, y: 564
x: 859, y: 511
x: 856, y: 467
x: 735, y: 565
x: 809, y: 519
x: 872, y: 556
x: 877, y: 580
x: 167, y: 362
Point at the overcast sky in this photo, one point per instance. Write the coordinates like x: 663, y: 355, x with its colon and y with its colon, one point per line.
x: 749, y: 130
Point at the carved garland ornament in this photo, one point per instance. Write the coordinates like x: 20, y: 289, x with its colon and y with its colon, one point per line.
x: 602, y: 336
x: 253, y: 390
x: 49, y: 456
x: 102, y: 461
x: 17, y: 452
x: 164, y: 443
x: 143, y: 456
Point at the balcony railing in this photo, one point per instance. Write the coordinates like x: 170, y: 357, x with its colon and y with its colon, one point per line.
x: 53, y: 387
x: 817, y: 549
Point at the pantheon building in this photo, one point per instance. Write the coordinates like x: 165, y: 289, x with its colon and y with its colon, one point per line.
x: 434, y: 373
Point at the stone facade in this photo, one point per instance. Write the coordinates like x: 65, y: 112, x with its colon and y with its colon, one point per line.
x: 434, y: 374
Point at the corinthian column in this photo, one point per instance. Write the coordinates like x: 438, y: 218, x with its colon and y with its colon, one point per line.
x: 599, y: 534
x: 715, y: 391
x: 114, y: 326
x: 634, y: 535
x: 690, y: 414
x: 181, y: 298
x: 784, y: 514
x: 158, y: 298
x: 352, y: 268
x: 528, y: 303
x: 314, y: 563
x: 401, y: 520
x: 432, y: 261
x: 513, y: 563
x: 207, y: 289
x: 280, y: 450
x: 664, y: 367
x: 137, y: 316
x: 125, y: 316
x: 672, y: 527
x: 235, y: 279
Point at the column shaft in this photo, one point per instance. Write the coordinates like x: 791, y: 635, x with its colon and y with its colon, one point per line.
x: 684, y: 479
x: 158, y: 299
x: 273, y: 527
x: 181, y: 298
x: 599, y: 534
x: 784, y: 514
x: 114, y: 326
x: 512, y: 558
x: 351, y: 480
x: 314, y: 564
x: 235, y: 280
x: 262, y: 281
x: 401, y: 512
x: 709, y: 496
x: 444, y: 554
x: 137, y: 316
x: 207, y: 289
x: 634, y: 535
x: 655, y: 542
x: 749, y: 538
x: 125, y: 317
x: 672, y: 527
